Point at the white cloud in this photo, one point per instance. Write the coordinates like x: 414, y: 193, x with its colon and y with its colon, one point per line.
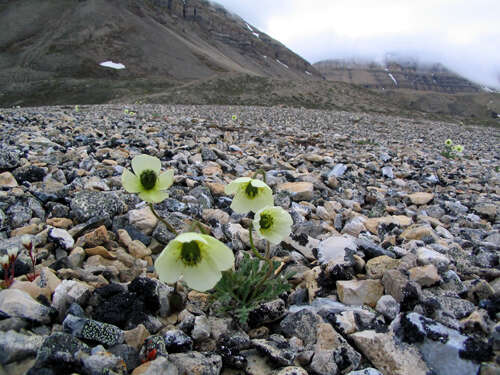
x: 462, y: 34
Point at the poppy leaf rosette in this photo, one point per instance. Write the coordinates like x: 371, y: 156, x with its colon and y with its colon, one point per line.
x: 273, y: 223
x: 147, y: 180
x: 197, y: 258
x: 249, y: 195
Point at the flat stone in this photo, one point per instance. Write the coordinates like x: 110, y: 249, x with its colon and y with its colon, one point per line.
x: 372, y: 224
x: 93, y: 330
x: 388, y: 307
x: 376, y: 267
x: 60, y: 222
x: 136, y: 337
x: 299, y: 191
x: 16, y: 303
x: 360, y: 292
x: 158, y: 366
x: 421, y: 198
x: 67, y: 292
x: 417, y: 232
x: 445, y: 350
x: 137, y: 249
x: 337, y: 250
x: 427, y: 256
x: 7, y: 180
x: 425, y: 276
x: 62, y: 237
x: 143, y: 219
x: 388, y: 355
x: 16, y: 346
x: 196, y: 363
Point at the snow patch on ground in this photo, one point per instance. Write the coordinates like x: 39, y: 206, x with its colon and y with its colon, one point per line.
x: 308, y: 73
x: 113, y: 65
x: 394, y: 79
x: 279, y: 62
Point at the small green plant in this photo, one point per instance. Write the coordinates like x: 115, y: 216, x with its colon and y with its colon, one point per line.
x: 452, y: 151
x: 241, y: 291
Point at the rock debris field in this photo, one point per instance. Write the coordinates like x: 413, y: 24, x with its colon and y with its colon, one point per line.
x: 394, y: 248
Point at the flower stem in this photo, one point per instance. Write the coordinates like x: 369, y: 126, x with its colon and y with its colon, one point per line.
x: 265, y: 258
x: 169, y: 227
x: 262, y: 173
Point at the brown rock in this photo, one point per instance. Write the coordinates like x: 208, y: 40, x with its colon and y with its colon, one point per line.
x: 143, y: 219
x: 124, y: 237
x: 360, y: 292
x: 372, y: 224
x: 216, y: 188
x: 100, y: 250
x: 220, y: 216
x: 417, y: 232
x: 213, y: 169
x: 27, y: 229
x: 421, y: 198
x: 47, y: 279
x: 425, y: 276
x: 135, y: 337
x: 32, y: 289
x: 7, y: 180
x: 97, y: 237
x: 389, y: 356
x: 138, y: 249
x: 376, y: 267
x: 60, y: 222
x: 299, y: 191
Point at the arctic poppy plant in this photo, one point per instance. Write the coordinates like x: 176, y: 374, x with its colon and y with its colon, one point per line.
x: 147, y: 180
x: 249, y: 195
x: 273, y: 223
x: 197, y: 258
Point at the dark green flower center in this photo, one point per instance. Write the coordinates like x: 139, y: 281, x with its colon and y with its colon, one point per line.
x: 251, y: 191
x: 148, y: 179
x: 266, y: 221
x: 190, y: 253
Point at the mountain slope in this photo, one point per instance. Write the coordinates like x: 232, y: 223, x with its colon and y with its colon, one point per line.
x: 396, y: 74
x: 161, y: 40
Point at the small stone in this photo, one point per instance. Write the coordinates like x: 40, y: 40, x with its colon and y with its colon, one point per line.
x: 16, y: 303
x: 15, y: 346
x: 68, y: 292
x: 291, y: 370
x: 100, y: 250
x: 136, y: 337
x: 143, y: 219
x: 97, y: 237
x: 388, y: 355
x: 376, y: 267
x: 201, y: 329
x: 60, y: 222
x: 7, y: 180
x: 196, y: 363
x: 417, y: 232
x: 158, y: 366
x: 487, y: 210
x: 93, y: 330
x: 421, y: 198
x: 372, y: 224
x: 302, y: 324
x: 338, y: 250
x: 176, y: 341
x: 32, y: 289
x: 299, y: 191
x: 388, y: 307
x: 137, y: 249
x: 95, y: 204
x: 267, y: 313
x: 360, y: 292
x: 276, y: 348
x: 425, y: 276
x: 62, y: 237
x: 427, y: 256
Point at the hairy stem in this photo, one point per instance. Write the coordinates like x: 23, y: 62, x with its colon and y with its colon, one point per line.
x: 262, y: 173
x: 169, y: 227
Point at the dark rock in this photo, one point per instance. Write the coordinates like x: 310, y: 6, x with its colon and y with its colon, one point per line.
x: 301, y: 324
x: 229, y: 347
x: 92, y: 330
x: 267, y: 313
x: 372, y: 250
x: 129, y: 354
x: 59, y: 355
x: 8, y: 159
x: 94, y: 204
x: 29, y: 173
x: 277, y: 349
x: 176, y: 341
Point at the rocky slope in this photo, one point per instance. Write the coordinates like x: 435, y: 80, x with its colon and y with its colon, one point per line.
x: 394, y: 247
x: 59, y: 45
x: 396, y: 74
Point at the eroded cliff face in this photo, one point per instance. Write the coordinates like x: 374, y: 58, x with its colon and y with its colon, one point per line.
x: 396, y: 75
x: 180, y: 40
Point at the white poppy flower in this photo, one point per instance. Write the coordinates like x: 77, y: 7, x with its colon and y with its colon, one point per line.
x: 198, y: 258
x: 147, y: 180
x: 273, y: 223
x: 4, y: 260
x: 249, y: 195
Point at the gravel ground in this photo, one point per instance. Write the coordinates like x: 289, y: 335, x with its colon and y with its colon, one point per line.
x: 395, y: 247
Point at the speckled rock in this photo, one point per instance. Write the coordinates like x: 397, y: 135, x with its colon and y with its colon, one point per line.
x: 93, y: 330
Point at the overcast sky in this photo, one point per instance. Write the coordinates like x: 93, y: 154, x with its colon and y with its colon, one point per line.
x: 464, y: 35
